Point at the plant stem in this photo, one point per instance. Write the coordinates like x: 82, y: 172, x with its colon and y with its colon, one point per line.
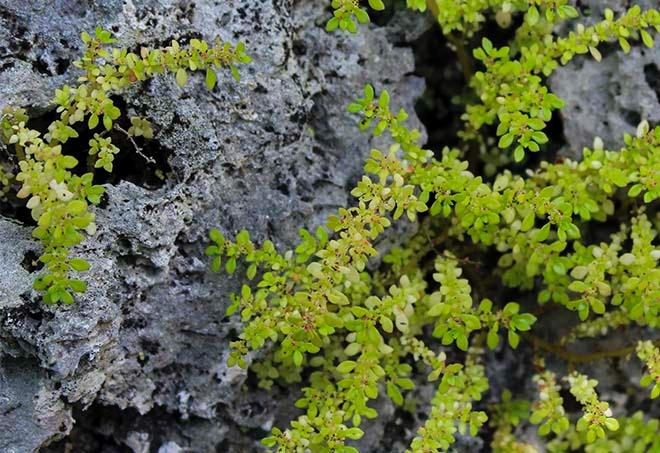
x: 574, y: 357
x: 433, y: 7
x: 463, y: 57
x: 138, y: 150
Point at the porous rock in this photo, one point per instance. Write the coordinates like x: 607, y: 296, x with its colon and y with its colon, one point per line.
x: 141, y: 357
x: 608, y: 99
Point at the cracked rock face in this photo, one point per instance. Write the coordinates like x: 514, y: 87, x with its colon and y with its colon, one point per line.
x: 140, y: 358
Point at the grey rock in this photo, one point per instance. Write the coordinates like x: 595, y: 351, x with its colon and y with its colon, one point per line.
x: 14, y: 278
x: 170, y: 447
x: 148, y: 341
x: 32, y: 412
x: 609, y: 98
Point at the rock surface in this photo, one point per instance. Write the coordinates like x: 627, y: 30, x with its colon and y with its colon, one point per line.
x: 609, y: 98
x: 139, y: 360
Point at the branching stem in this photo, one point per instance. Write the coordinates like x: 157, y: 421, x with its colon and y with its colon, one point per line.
x: 575, y: 357
x: 138, y: 150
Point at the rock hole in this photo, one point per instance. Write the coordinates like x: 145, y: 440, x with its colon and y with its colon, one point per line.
x: 41, y: 66
x: 570, y: 403
x: 31, y: 261
x: 633, y: 118
x: 136, y: 323
x: 61, y: 65
x: 149, y: 346
x: 438, y: 65
x: 652, y: 76
x: 299, y: 48
x: 283, y: 188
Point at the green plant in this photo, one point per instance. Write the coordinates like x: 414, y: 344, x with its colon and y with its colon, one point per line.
x: 636, y: 434
x: 300, y: 305
x: 507, y: 416
x: 57, y: 197
x: 650, y: 355
x: 346, y: 12
x: 357, y: 331
x: 511, y: 90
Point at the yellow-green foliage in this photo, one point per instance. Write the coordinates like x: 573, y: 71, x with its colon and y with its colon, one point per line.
x: 355, y: 332
x: 58, y: 198
x: 650, y: 355
x: 308, y: 298
x: 636, y: 434
x: 511, y: 88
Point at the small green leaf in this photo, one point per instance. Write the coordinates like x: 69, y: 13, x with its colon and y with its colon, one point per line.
x: 78, y: 286
x: 107, y: 122
x: 66, y: 297
x: 332, y: 24
x: 635, y: 190
x: 647, y: 39
x: 297, y: 358
x: 514, y: 339
x: 533, y: 16
x: 462, y: 342
x: 387, y: 324
x: 352, y: 349
x: 578, y: 286
x: 435, y: 310
x: 346, y: 366
x: 230, y: 266
x: 79, y: 264
x: 216, y: 263
x: 181, y: 77
x: 384, y: 99
x: 216, y: 236
x: 506, y: 140
x: 493, y: 339
x: 612, y: 424
x: 378, y: 5
x: 77, y: 207
x: 362, y: 16
x: 528, y: 222
x: 211, y: 78
x: 597, y: 306
x: 395, y: 394
x: 519, y: 154
x: 269, y: 441
x: 251, y: 271
x: 595, y: 53
x: 354, y: 433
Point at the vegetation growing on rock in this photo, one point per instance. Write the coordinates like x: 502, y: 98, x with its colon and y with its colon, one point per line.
x: 57, y: 195
x: 352, y: 334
